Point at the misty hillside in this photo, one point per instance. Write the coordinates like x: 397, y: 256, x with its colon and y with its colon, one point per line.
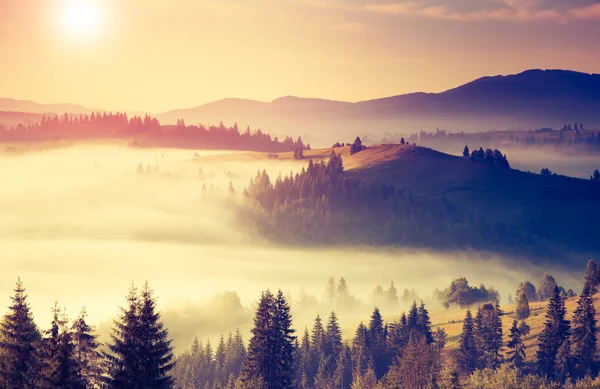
x: 411, y: 196
x: 13, y: 105
x: 530, y: 99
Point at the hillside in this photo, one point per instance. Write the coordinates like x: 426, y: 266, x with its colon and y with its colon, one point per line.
x: 14, y: 105
x: 533, y: 98
x: 451, y: 322
x: 411, y: 196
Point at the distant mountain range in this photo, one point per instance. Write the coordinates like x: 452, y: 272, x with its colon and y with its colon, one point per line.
x: 534, y: 98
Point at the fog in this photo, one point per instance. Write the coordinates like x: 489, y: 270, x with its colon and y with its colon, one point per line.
x: 79, y: 226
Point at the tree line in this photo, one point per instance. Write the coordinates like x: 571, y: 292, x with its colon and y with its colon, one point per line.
x: 68, y: 355
x: 147, y: 131
x: 407, y: 353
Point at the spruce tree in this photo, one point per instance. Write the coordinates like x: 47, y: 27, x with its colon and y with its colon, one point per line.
x: 361, y: 357
x: 424, y: 324
x: 86, y: 352
x: 140, y: 353
x: 584, y: 334
x: 523, y: 310
x: 488, y: 335
x: 467, y: 352
x: 563, y: 362
x: 377, y: 344
x: 333, y: 341
x: 220, y: 362
x: 19, y: 340
x: 555, y: 332
x: 342, y: 378
x: 269, y: 359
x: 516, y: 348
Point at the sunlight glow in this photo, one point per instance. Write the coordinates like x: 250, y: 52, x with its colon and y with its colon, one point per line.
x: 81, y: 19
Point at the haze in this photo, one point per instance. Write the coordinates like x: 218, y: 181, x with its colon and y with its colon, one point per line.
x: 80, y: 226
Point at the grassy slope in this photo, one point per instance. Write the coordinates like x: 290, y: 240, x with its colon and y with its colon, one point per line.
x: 535, y: 321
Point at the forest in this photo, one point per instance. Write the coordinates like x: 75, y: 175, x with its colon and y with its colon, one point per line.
x: 324, y: 204
x: 145, y: 132
x: 408, y: 352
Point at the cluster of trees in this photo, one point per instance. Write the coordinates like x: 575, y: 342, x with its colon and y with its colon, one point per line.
x: 147, y: 131
x: 462, y: 294
x: 68, y: 355
x: 204, y: 367
x: 488, y: 156
x: 322, y: 204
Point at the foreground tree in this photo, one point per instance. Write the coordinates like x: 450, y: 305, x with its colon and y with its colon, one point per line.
x: 140, y: 355
x: 467, y: 352
x: 488, y: 335
x: 516, y: 348
x: 86, y: 352
x: 584, y: 334
x: 19, y: 339
x: 555, y: 332
x: 270, y: 352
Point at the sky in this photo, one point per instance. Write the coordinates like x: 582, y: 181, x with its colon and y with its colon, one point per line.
x: 158, y: 55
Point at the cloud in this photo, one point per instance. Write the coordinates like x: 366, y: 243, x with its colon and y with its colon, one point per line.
x: 473, y: 10
x: 352, y: 27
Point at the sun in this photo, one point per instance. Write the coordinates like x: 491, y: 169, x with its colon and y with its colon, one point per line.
x: 81, y: 18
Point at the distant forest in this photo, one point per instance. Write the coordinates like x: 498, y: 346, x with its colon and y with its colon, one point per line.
x: 323, y: 204
x: 567, y: 138
x: 406, y: 353
x: 146, y: 131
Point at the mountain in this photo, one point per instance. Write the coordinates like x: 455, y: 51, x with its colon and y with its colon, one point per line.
x: 13, y: 105
x: 531, y: 99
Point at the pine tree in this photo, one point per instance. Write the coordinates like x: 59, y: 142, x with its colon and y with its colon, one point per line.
x: 466, y: 152
x: 488, y: 335
x: 19, y: 340
x: 59, y: 368
x: 584, y: 334
x: 269, y: 360
x: 86, y: 352
x: 377, y: 344
x: 424, y: 324
x: 361, y: 357
x: 467, y: 353
x: 563, y: 362
x: 140, y: 352
x: 555, y: 332
x: 333, y: 342
x: 516, y: 348
x: 523, y: 310
x: 392, y: 295
x: 235, y: 356
x: 342, y: 378
x: 220, y: 362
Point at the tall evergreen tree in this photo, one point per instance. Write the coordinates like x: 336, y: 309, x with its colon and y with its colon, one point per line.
x: 361, y: 358
x: 516, y: 348
x: 333, y: 342
x: 488, y: 335
x: 86, y: 352
x: 584, y: 334
x: 377, y: 344
x: 467, y: 352
x: 269, y: 360
x: 19, y: 340
x: 555, y: 332
x: 591, y: 278
x: 563, y: 362
x: 140, y: 353
x: 342, y: 378
x: 424, y: 324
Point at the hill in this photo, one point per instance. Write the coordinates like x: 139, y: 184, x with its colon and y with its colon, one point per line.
x: 529, y: 99
x: 411, y: 196
x: 13, y: 105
